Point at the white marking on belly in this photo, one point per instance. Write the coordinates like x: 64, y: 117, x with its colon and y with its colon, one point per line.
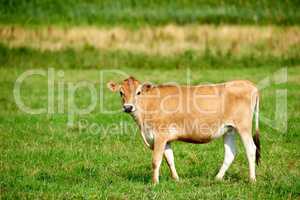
x: 224, y: 128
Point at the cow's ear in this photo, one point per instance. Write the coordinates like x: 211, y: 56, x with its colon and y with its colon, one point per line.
x: 147, y: 86
x: 114, y: 87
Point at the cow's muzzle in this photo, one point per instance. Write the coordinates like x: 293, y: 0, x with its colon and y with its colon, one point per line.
x: 128, y: 108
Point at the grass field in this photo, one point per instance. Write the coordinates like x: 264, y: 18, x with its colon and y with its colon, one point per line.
x: 102, y: 156
x: 41, y: 157
x: 135, y: 13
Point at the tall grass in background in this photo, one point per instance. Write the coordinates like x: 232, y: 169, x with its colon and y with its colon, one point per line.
x: 143, y: 12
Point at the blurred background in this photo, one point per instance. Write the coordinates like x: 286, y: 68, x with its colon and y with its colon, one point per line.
x: 158, y: 41
x: 129, y: 33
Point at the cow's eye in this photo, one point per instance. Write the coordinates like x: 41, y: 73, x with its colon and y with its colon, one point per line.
x: 138, y: 93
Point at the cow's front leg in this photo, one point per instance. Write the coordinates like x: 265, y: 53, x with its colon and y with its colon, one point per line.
x: 158, y: 151
x: 170, y: 160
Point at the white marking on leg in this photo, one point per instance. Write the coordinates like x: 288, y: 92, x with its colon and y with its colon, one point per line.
x: 230, y: 152
x: 170, y: 160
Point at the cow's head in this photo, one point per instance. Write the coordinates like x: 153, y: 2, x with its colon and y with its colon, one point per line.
x: 129, y: 90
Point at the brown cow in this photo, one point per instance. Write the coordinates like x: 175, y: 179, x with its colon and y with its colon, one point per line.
x: 196, y: 114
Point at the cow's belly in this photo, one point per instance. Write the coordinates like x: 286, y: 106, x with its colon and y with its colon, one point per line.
x: 195, y: 137
x: 206, y: 135
x: 196, y: 132
x: 195, y: 140
x: 187, y: 132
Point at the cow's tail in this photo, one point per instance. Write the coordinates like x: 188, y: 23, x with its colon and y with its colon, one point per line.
x: 256, y: 136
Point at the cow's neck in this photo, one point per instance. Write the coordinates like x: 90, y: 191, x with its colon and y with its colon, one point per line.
x: 146, y: 133
x: 137, y: 118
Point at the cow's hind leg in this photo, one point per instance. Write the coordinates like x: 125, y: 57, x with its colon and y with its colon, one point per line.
x: 170, y: 160
x: 230, y: 152
x: 250, y: 151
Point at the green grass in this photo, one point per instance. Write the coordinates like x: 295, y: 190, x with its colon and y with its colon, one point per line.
x: 41, y: 157
x: 91, y: 58
x: 140, y: 12
x: 44, y: 158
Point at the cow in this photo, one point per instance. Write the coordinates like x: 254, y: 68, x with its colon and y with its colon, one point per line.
x: 195, y: 114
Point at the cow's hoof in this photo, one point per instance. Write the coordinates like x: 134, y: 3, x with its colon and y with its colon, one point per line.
x: 175, y: 178
x: 252, y: 180
x: 155, y: 182
x: 218, y: 178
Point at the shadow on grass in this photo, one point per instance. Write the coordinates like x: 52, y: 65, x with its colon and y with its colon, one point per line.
x: 206, y: 174
x: 138, y: 176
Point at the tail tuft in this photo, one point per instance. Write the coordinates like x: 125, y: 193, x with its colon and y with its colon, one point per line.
x: 257, y: 144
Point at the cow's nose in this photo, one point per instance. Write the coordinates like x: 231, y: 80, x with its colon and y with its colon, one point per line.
x: 128, y: 108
